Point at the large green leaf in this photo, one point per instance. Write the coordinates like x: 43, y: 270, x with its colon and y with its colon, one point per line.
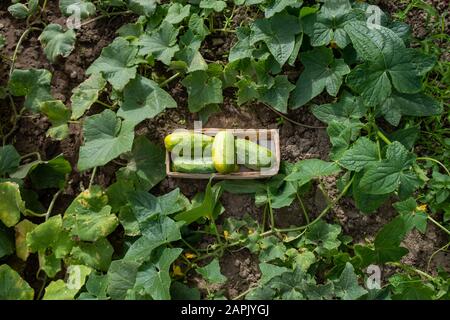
x: 278, y: 33
x: 322, y: 71
x: 50, y: 174
x: 146, y: 165
x: 83, y: 8
x: 418, y: 105
x: 11, y: 203
x: 60, y: 290
x: 12, y: 286
x: 385, y: 176
x: 143, y: 7
x: 33, y: 84
x: 96, y: 255
x: 153, y: 277
x: 363, y: 153
x: 161, y: 43
x: 86, y: 94
x: 117, y: 63
x: 211, y: 272
x: 348, y: 108
x: 242, y: 48
x: 216, y: 5
x: 106, y: 138
x: 121, y: 278
x: 203, y: 90
x: 9, y: 159
x: 6, y: 241
x: 276, y: 6
x: 59, y: 115
x: 57, y: 42
x: 390, y: 65
x: 347, y: 287
x: 177, y: 13
x: 89, y: 217
x: 307, y: 170
x: 277, y: 95
x: 324, y: 236
x: 52, y: 243
x: 144, y: 99
x: 329, y: 24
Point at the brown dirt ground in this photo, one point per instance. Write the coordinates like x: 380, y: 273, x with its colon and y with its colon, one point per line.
x: 296, y: 142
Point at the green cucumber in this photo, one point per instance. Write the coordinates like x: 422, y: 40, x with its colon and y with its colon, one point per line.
x: 197, y: 165
x: 223, y: 154
x: 179, y: 141
x: 252, y: 155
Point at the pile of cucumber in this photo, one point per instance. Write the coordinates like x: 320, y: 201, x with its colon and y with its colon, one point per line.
x: 223, y: 153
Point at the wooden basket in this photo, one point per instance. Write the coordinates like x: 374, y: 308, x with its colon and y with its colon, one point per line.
x: 272, y: 136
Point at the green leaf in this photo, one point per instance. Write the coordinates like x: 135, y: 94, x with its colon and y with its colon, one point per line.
x: 89, y: 217
x: 177, y: 13
x: 412, y: 214
x: 33, y: 84
x: 19, y: 11
x: 144, y: 99
x: 242, y: 49
x: 161, y: 43
x: 83, y: 8
x: 52, y: 243
x: 96, y: 255
x: 347, y: 287
x: 59, y: 115
x: 121, y: 278
x: 211, y: 272
x: 304, y: 260
x: 146, y: 165
x: 348, y: 108
x: 9, y: 159
x: 307, y: 170
x: 216, y: 5
x: 57, y: 42
x: 11, y: 203
x: 385, y: 176
x: 50, y: 174
x: 388, y: 65
x: 154, y: 278
x: 180, y: 291
x: 205, y: 209
x: 322, y: 71
x: 329, y: 24
x: 22, y: 229
x: 60, y: 290
x: 363, y: 153
x: 324, y: 236
x: 96, y: 287
x: 202, y: 90
x: 277, y: 96
x: 418, y: 105
x: 278, y: 33
x: 143, y: 7
x: 12, y: 286
x: 197, y: 26
x: 270, y: 271
x: 276, y: 6
x: 106, y: 138
x: 86, y: 94
x: 117, y: 63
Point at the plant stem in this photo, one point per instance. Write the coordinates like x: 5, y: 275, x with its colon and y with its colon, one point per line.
x: 435, y: 161
x: 52, y: 204
x: 272, y: 217
x: 243, y: 294
x: 104, y: 104
x: 383, y: 137
x: 91, y: 181
x: 443, y: 248
x: 305, y: 213
x: 16, y: 50
x: 412, y: 269
x: 106, y: 15
x: 187, y: 244
x: 37, y: 154
x: 166, y: 82
x: 438, y: 225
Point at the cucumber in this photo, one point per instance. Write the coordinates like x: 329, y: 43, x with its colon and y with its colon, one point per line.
x: 223, y: 154
x: 196, y: 165
x: 182, y: 141
x: 252, y: 155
